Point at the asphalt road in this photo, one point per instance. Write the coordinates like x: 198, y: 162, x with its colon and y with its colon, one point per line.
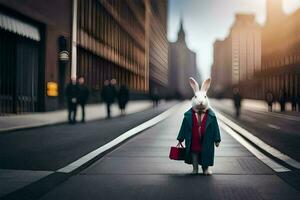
x: 52, y: 147
x: 278, y: 130
x: 141, y: 169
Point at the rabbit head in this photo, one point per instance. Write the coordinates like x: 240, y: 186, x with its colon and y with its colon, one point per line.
x: 200, y: 99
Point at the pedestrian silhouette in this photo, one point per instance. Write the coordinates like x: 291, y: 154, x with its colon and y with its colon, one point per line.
x: 237, y: 101
x: 83, y: 96
x: 108, y: 95
x: 155, y: 97
x: 72, y: 94
x: 282, y: 99
x: 294, y: 103
x: 123, y: 97
x: 270, y: 100
x: 298, y: 102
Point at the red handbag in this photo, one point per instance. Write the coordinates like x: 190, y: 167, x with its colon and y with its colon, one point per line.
x: 177, y: 153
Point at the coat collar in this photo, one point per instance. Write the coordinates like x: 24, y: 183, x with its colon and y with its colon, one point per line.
x: 189, y: 116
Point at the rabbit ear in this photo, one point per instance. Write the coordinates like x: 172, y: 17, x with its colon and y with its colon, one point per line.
x: 205, y: 85
x: 194, y: 84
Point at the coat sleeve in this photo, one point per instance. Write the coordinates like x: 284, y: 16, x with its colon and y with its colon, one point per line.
x: 217, y: 135
x: 181, y: 134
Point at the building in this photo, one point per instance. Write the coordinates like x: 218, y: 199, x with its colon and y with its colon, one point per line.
x: 44, y: 43
x: 238, y: 57
x: 280, y: 53
x: 182, y: 65
x: 221, y: 69
x: 113, y: 42
x: 31, y: 38
x: 158, y: 58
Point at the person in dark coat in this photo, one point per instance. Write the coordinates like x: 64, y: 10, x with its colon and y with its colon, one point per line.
x: 294, y: 103
x: 282, y: 99
x: 298, y: 102
x: 270, y: 100
x: 83, y: 96
x: 72, y: 94
x: 237, y: 99
x: 108, y: 95
x: 123, y: 97
x: 155, y: 97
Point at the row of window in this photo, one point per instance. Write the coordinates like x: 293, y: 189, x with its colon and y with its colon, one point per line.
x: 96, y: 70
x: 287, y: 82
x: 105, y: 24
x: 94, y: 18
x: 285, y: 60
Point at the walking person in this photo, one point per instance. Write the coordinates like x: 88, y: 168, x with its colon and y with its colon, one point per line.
x: 123, y: 97
x: 270, y: 100
x: 298, y: 102
x: 237, y: 99
x: 108, y: 95
x: 83, y: 96
x: 294, y: 103
x: 155, y: 97
x: 282, y: 99
x: 72, y: 94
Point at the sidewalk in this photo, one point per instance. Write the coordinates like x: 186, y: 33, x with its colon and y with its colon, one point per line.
x: 141, y: 169
x: 260, y: 105
x: 93, y: 112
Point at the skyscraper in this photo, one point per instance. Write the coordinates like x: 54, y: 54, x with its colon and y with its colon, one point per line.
x: 182, y: 65
x: 280, y: 53
x: 239, y: 54
x: 158, y: 47
x: 106, y: 39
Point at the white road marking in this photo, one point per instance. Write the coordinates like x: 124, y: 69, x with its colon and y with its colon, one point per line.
x: 268, y: 161
x: 273, y: 126
x: 274, y: 152
x: 81, y: 161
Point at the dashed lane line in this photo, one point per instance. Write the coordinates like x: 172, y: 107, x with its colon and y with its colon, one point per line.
x: 273, y: 126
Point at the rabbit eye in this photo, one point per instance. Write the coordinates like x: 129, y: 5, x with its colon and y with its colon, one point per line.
x: 195, y: 96
x: 205, y: 96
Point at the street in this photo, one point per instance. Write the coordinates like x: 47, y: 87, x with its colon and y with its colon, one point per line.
x: 140, y: 168
x: 95, y: 96
x: 280, y: 130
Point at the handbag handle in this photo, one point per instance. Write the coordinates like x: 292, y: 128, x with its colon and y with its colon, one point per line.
x: 180, y: 144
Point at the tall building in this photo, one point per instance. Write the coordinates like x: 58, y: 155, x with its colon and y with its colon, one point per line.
x: 239, y: 54
x: 274, y: 12
x: 113, y: 42
x: 158, y: 58
x: 221, y: 69
x: 44, y: 43
x: 280, y: 53
x: 34, y: 45
x: 245, y: 39
x: 182, y: 65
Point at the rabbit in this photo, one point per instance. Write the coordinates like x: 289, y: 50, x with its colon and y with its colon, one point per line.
x: 200, y: 100
x: 204, y: 131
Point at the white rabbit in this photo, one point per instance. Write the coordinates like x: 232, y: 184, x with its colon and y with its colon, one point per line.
x: 200, y: 100
x: 200, y: 104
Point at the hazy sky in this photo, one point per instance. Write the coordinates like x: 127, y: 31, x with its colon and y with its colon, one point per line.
x: 205, y: 21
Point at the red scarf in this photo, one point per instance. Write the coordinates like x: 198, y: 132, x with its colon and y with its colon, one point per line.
x: 196, y: 141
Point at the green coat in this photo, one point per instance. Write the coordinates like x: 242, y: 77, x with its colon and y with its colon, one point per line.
x: 212, y: 135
